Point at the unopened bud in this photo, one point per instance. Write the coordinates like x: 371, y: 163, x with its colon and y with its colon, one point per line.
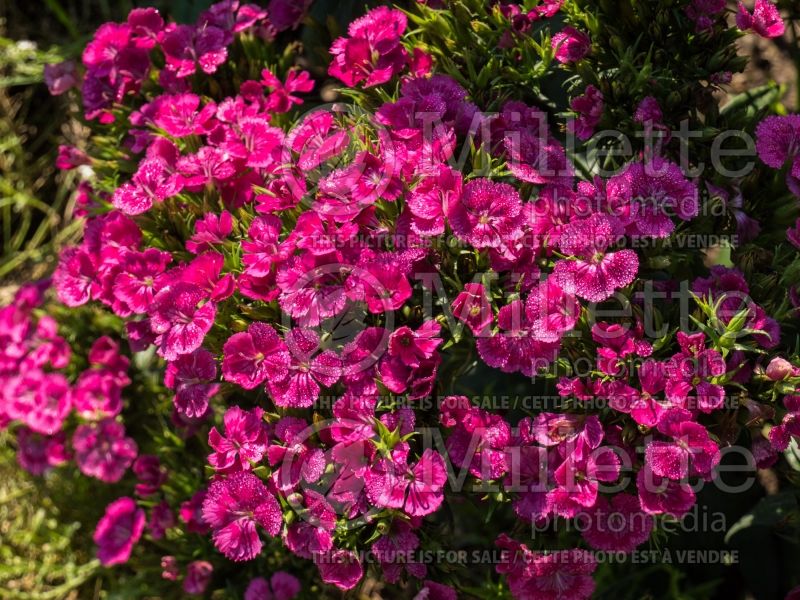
x: 779, y: 369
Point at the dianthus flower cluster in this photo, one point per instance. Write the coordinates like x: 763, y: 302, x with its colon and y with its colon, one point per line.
x: 312, y: 280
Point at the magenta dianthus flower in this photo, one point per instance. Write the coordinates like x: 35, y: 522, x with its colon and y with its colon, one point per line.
x: 618, y: 525
x: 765, y: 19
x: 252, y: 356
x: 789, y: 427
x: 660, y: 495
x: 187, y: 47
x: 192, y: 377
x: 181, y: 315
x: 417, y: 490
x: 150, y: 474
x: 571, y: 45
x: 37, y: 454
x: 118, y: 531
x: 102, y: 450
x: 594, y: 273
x: 244, y: 442
x: 373, y: 53
x: 341, y: 568
x: 589, y: 108
x: 307, y: 366
x: 281, y: 586
x: 233, y: 507
x: 691, y: 451
x: 486, y: 215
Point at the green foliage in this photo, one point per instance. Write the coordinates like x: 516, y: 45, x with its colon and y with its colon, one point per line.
x: 43, y: 552
x: 32, y: 208
x: 471, y: 42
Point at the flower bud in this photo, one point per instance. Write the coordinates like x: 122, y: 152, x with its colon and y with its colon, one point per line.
x: 779, y: 369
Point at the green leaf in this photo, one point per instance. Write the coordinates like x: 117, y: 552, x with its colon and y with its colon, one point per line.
x: 770, y: 512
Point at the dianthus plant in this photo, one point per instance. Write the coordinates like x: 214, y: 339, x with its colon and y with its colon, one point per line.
x: 441, y: 312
